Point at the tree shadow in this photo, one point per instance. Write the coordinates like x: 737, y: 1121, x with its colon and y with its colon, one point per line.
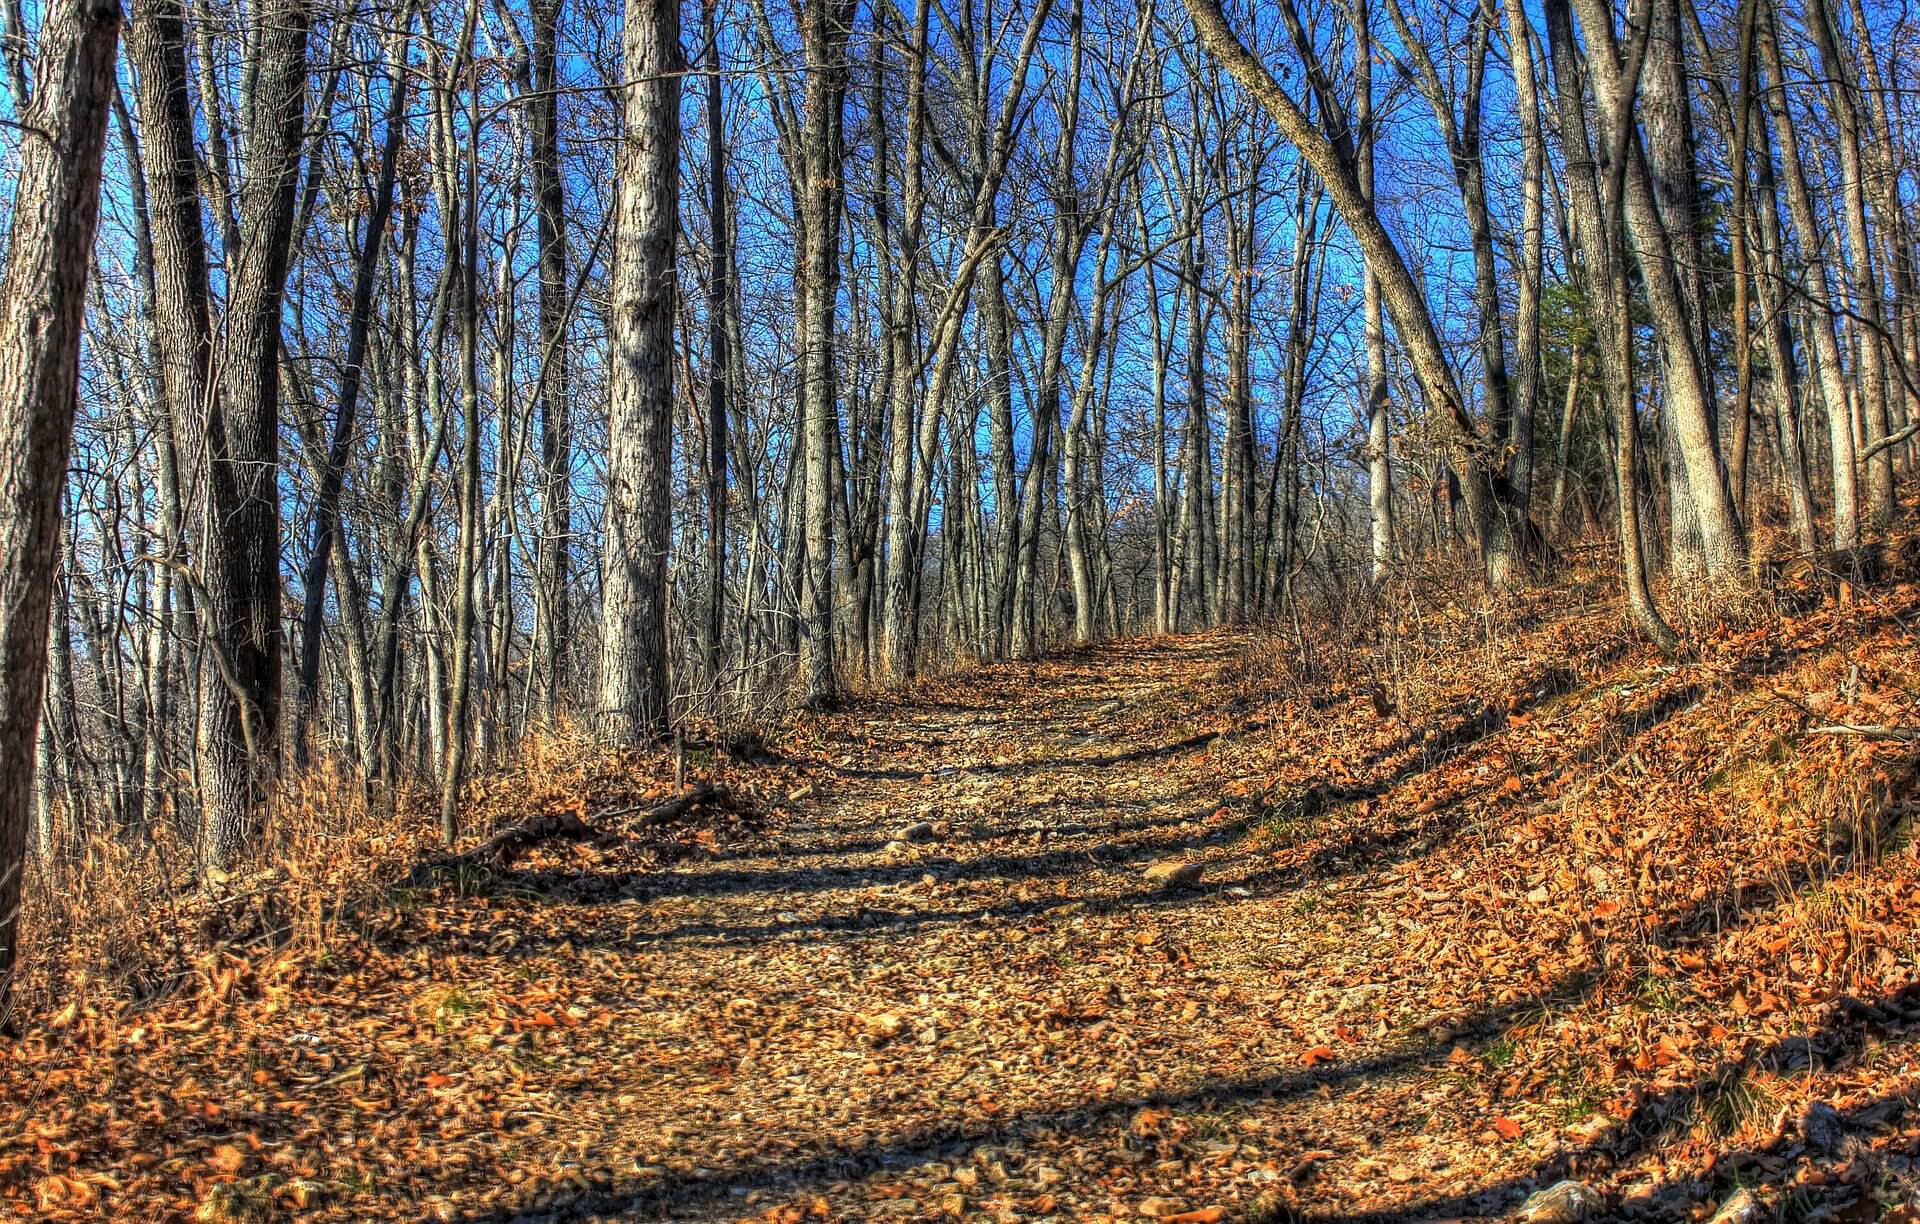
x: 838, y: 1161
x: 1650, y: 1122
x: 1365, y: 849
x: 1833, y: 1045
x: 977, y: 831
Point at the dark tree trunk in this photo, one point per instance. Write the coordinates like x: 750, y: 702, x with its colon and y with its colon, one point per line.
x: 633, y: 658
x: 553, y: 600
x: 56, y: 208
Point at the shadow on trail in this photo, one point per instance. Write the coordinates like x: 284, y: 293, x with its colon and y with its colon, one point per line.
x: 980, y: 830
x: 1664, y: 1116
x: 1051, y: 764
x: 1366, y: 850
x: 1837, y: 1042
x: 1105, y: 1121
x: 836, y: 1161
x: 1250, y: 872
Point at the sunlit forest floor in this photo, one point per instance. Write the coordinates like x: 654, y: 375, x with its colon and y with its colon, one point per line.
x: 1503, y: 900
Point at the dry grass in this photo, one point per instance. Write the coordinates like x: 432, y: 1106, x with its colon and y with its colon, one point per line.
x: 113, y: 923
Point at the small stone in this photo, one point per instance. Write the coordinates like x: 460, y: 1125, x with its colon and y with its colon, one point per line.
x: 1742, y: 1208
x: 303, y: 1192
x: 884, y: 1027
x: 1566, y: 1202
x: 1174, y: 873
x: 918, y: 831
x: 1821, y: 1127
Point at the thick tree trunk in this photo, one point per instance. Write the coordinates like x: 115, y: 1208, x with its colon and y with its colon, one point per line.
x: 1688, y: 395
x: 903, y: 468
x: 240, y: 545
x: 633, y: 629
x: 43, y: 295
x: 1667, y: 108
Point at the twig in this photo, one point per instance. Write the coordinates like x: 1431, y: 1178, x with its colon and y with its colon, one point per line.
x: 1904, y: 734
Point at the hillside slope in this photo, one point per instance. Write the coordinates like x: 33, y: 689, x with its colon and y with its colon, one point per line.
x: 1534, y: 904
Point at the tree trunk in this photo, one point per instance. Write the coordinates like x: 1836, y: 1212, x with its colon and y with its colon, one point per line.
x: 633, y: 660
x: 1825, y: 345
x: 326, y: 513
x: 464, y: 219
x: 1598, y: 218
x: 1332, y: 160
x: 825, y: 27
x: 1526, y: 381
x: 240, y: 545
x: 1666, y: 105
x: 553, y: 599
x: 719, y: 354
x: 1379, y: 423
x: 56, y: 209
x: 1845, y: 105
x: 1687, y: 393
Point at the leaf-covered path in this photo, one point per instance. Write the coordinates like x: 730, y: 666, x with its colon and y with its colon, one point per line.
x: 952, y: 986
x: 1577, y: 914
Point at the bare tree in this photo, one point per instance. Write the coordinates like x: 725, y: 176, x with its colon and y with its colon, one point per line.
x: 633, y: 627
x: 43, y: 298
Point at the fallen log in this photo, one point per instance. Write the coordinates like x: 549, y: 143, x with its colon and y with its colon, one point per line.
x: 512, y: 840
x: 671, y: 809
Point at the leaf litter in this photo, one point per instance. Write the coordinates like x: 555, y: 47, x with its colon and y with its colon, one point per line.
x: 1601, y: 917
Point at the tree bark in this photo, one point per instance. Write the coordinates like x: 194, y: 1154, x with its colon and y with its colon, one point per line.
x: 553, y: 598
x: 240, y: 545
x: 825, y: 27
x: 43, y: 295
x: 633, y: 659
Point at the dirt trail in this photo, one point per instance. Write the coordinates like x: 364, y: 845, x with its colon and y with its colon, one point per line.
x: 1004, y: 1016
x: 1573, y: 914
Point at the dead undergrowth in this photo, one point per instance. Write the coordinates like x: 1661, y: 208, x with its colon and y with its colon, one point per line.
x: 1489, y: 895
